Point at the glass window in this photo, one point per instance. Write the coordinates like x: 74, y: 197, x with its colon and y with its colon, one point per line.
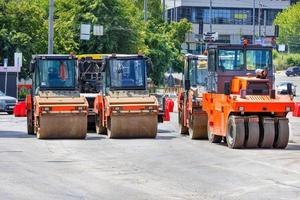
x: 127, y: 73
x: 258, y: 59
x: 56, y: 74
x: 231, y: 59
x: 198, y: 72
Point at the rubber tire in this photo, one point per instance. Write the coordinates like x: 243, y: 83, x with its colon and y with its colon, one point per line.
x: 267, y: 132
x: 282, y: 133
x: 182, y: 129
x: 252, y: 132
x: 212, y: 137
x: 201, y: 134
x: 235, y: 135
x: 99, y: 128
x: 30, y: 126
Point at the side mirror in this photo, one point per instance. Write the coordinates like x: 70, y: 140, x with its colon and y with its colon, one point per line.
x: 187, y: 84
x: 289, y: 89
x: 227, y: 88
x: 32, y: 66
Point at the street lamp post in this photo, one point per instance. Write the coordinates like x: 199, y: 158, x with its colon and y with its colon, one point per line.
x: 164, y: 10
x: 50, y: 28
x: 210, y: 16
x: 253, y: 21
x: 145, y: 10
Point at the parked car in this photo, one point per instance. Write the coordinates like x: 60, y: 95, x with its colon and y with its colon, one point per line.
x: 293, y: 71
x: 7, y: 103
x: 282, y: 88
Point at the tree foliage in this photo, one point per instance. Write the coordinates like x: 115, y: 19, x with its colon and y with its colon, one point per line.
x: 24, y: 28
x: 289, y: 24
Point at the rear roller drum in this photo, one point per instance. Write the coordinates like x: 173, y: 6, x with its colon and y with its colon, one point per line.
x: 182, y: 129
x: 235, y: 135
x: 252, y: 132
x: 132, y: 126
x: 282, y: 133
x: 198, y: 127
x: 267, y: 132
x: 212, y: 137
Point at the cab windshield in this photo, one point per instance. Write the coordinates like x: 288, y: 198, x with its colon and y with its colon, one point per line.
x: 198, y: 72
x: 258, y: 59
x: 127, y: 73
x: 56, y: 74
x: 255, y: 59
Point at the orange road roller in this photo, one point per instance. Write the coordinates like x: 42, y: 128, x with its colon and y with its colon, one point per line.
x: 242, y: 106
x: 125, y: 109
x: 55, y: 109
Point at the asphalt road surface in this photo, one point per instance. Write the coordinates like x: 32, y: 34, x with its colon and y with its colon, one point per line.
x: 168, y: 167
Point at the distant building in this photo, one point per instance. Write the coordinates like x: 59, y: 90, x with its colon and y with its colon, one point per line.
x: 232, y: 19
x: 294, y: 1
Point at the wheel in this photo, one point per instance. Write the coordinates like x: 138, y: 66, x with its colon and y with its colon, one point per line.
x: 235, y: 135
x: 212, y: 137
x: 182, y: 129
x: 267, y: 132
x: 99, y: 128
x: 30, y: 123
x: 281, y: 133
x: 198, y: 127
x: 252, y: 132
x: 10, y: 112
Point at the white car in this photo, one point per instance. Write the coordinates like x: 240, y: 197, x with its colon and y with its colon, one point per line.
x: 282, y: 88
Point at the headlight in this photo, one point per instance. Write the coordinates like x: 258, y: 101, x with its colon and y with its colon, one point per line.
x: 241, y: 109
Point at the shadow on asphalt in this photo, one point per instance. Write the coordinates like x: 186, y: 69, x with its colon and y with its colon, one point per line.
x: 15, y: 134
x: 165, y: 137
x: 165, y: 131
x: 293, y: 147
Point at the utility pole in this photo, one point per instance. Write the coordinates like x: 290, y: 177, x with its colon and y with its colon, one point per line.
x: 164, y: 10
x: 259, y: 19
x: 175, y: 11
x: 145, y: 10
x: 210, y: 16
x: 50, y: 28
x: 253, y: 21
x: 265, y: 23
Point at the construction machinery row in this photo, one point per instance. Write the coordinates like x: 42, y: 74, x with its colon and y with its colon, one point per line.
x: 108, y: 92
x: 233, y: 99
x: 227, y: 95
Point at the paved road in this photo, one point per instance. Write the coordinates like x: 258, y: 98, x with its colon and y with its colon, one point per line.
x: 170, y: 167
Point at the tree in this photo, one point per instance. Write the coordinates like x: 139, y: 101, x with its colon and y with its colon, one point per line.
x: 289, y: 26
x: 22, y: 29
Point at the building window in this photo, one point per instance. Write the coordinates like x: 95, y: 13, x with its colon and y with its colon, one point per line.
x: 238, y: 16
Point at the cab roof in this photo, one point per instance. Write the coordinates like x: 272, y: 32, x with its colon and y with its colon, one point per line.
x: 238, y: 46
x: 53, y: 57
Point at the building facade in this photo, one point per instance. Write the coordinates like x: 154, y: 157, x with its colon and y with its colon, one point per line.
x: 232, y: 19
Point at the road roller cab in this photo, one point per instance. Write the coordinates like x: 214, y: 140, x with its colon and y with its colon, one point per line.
x: 54, y: 108
x: 126, y: 109
x: 192, y: 119
x: 90, y: 81
x: 242, y: 106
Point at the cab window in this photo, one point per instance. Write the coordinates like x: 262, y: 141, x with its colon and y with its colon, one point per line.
x: 231, y: 60
x: 259, y: 59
